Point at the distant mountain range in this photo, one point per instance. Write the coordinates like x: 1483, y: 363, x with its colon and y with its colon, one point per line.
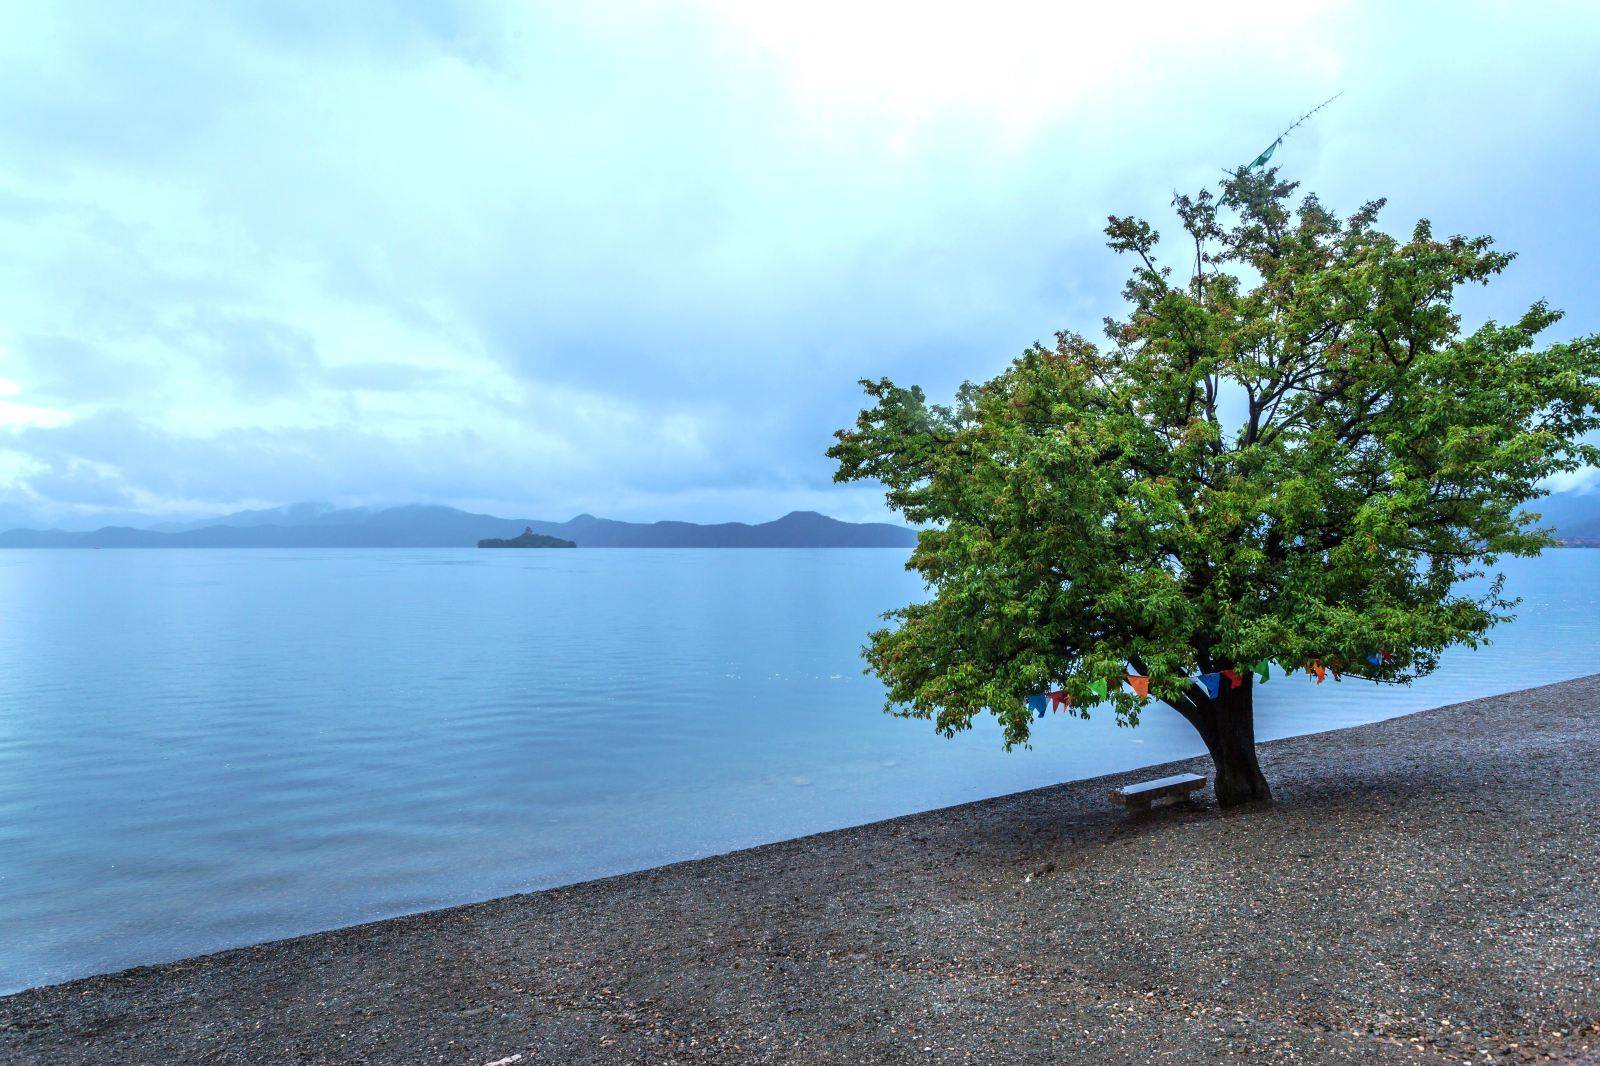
x: 310, y: 525
x: 1575, y: 517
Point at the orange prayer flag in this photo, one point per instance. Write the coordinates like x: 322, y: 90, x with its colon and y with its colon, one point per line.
x: 1140, y: 685
x: 1318, y: 669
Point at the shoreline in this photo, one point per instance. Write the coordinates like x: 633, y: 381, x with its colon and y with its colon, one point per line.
x: 1033, y: 925
x: 1100, y: 783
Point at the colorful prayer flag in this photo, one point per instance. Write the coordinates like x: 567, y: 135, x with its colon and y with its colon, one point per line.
x: 1036, y: 704
x: 1098, y: 687
x: 1059, y: 699
x: 1212, y: 684
x: 1140, y: 685
x: 1262, y: 672
x: 1376, y: 658
x: 1317, y: 668
x: 1234, y: 680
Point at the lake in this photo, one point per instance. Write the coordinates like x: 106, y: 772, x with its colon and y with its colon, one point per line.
x: 202, y: 749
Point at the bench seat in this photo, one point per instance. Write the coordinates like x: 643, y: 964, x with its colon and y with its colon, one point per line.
x: 1138, y: 797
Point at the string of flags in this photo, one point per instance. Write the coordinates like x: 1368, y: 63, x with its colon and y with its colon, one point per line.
x: 1212, y: 682
x: 1262, y: 159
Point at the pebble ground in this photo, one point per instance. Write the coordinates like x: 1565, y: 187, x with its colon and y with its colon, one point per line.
x: 1425, y: 889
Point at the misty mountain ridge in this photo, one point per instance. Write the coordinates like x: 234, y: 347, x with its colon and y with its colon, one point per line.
x: 294, y: 514
x: 1575, y: 516
x: 316, y: 525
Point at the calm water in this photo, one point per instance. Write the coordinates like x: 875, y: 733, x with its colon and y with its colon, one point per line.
x: 212, y: 748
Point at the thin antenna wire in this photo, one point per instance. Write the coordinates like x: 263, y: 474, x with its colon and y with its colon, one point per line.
x: 1261, y: 159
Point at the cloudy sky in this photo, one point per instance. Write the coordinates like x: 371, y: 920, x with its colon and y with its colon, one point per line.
x: 630, y: 258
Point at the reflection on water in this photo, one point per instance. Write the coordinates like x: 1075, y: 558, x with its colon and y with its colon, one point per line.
x: 211, y: 748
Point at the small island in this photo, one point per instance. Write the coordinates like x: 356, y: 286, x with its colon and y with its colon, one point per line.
x: 528, y: 539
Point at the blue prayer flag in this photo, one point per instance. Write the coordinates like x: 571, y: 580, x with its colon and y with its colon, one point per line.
x: 1375, y: 659
x: 1037, y: 704
x: 1212, y: 684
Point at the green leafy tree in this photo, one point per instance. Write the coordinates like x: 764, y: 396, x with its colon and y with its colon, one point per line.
x: 1096, y: 509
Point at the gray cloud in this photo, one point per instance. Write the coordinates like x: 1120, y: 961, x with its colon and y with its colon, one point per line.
x: 632, y: 260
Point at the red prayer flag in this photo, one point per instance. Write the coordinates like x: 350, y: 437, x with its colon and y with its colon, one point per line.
x: 1234, y: 680
x: 1059, y: 699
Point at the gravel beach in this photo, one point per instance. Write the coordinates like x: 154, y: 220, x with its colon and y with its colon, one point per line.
x: 1424, y: 889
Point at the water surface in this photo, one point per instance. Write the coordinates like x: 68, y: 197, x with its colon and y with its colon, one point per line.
x: 201, y: 749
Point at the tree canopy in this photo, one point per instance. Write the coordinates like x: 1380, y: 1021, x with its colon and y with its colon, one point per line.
x: 1290, y: 451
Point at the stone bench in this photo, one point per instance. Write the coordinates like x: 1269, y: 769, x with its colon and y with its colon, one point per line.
x: 1178, y: 786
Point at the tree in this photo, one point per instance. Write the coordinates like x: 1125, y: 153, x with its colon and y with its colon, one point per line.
x: 1294, y: 455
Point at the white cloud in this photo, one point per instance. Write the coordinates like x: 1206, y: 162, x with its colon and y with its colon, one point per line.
x: 1019, y: 68
x: 630, y: 259
x: 16, y: 415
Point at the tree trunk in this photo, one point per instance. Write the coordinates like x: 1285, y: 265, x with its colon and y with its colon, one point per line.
x: 1227, y: 725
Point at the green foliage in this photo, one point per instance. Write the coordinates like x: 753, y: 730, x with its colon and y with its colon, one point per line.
x: 1088, y: 509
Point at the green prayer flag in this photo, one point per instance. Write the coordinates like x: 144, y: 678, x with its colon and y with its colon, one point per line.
x: 1098, y: 687
x: 1262, y: 672
x: 1261, y: 160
